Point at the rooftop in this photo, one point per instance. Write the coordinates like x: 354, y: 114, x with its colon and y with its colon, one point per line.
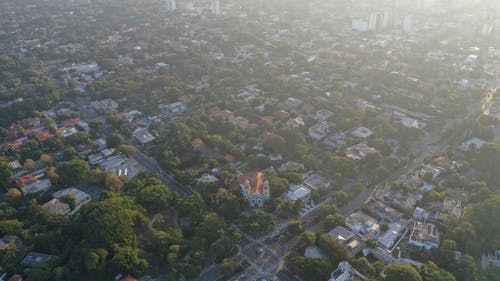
x: 34, y: 259
x: 254, y: 181
x: 341, y: 233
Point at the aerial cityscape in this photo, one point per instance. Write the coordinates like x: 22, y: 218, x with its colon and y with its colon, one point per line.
x: 262, y: 140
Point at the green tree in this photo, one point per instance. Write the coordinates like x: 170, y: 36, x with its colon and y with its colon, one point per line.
x: 73, y: 172
x: 332, y: 221
x: 335, y: 251
x: 230, y: 207
x: 114, y: 140
x: 295, y: 227
x: 479, y: 216
x: 127, y: 149
x: 277, y: 185
x: 108, y: 222
x: 211, y: 228
x: 431, y: 272
x: 6, y: 175
x: 488, y: 161
x: 399, y: 272
x: 275, y: 144
x: 157, y: 197
x: 222, y: 248
x: 12, y: 227
x: 113, y: 182
x: 127, y: 260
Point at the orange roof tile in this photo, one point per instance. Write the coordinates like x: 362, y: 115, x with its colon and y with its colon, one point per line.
x: 256, y: 182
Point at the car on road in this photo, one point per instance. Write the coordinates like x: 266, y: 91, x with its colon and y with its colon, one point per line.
x: 259, y: 250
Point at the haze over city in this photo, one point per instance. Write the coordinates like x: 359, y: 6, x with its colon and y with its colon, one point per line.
x: 283, y: 140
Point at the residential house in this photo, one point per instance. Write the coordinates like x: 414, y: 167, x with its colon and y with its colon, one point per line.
x: 319, y: 130
x: 30, y: 184
x: 295, y: 123
x: 255, y: 188
x: 104, y: 105
x: 491, y: 260
x: 390, y: 238
x: 14, y: 145
x: 240, y: 122
x: 297, y: 193
x: 424, y: 235
x: 42, y: 136
x: 16, y: 277
x: 421, y: 214
x: 360, y: 151
x: 173, y: 110
x: 323, y: 114
x: 30, y: 122
x: 337, y: 140
x: 453, y: 207
x: 291, y: 167
x: 117, y: 164
x: 34, y: 259
x: 58, y: 207
x: 362, y: 132
x: 314, y: 252
x: 344, y: 236
x: 290, y: 103
x: 206, y: 179
x: 82, y: 125
x: 25, y: 180
x: 131, y: 115
x: 363, y: 225
x: 474, y: 143
x: 345, y: 272
x: 17, y: 168
x: 99, y: 157
x: 143, y: 137
x: 316, y: 182
x: 127, y: 278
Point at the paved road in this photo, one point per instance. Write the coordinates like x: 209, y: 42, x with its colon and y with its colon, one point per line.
x: 271, y: 260
x: 168, y: 178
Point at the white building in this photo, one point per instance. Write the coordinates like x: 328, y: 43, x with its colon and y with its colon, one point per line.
x: 408, y: 24
x: 37, y: 186
x: 359, y: 25
x: 344, y: 272
x: 475, y: 143
x: 171, y: 5
x: 319, y: 130
x: 363, y: 225
x: 255, y: 188
x: 56, y: 206
x: 215, y: 7
x: 301, y: 193
x: 491, y: 260
x: 143, y: 137
x: 424, y: 235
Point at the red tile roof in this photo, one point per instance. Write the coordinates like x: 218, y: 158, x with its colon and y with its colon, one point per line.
x: 26, y: 180
x: 16, y: 277
x: 256, y: 182
x: 69, y: 122
x: 128, y: 278
x: 42, y: 136
x: 197, y: 144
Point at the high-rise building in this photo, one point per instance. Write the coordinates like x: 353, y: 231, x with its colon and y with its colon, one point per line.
x: 408, y: 24
x: 215, y: 7
x: 376, y: 21
x: 171, y: 5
